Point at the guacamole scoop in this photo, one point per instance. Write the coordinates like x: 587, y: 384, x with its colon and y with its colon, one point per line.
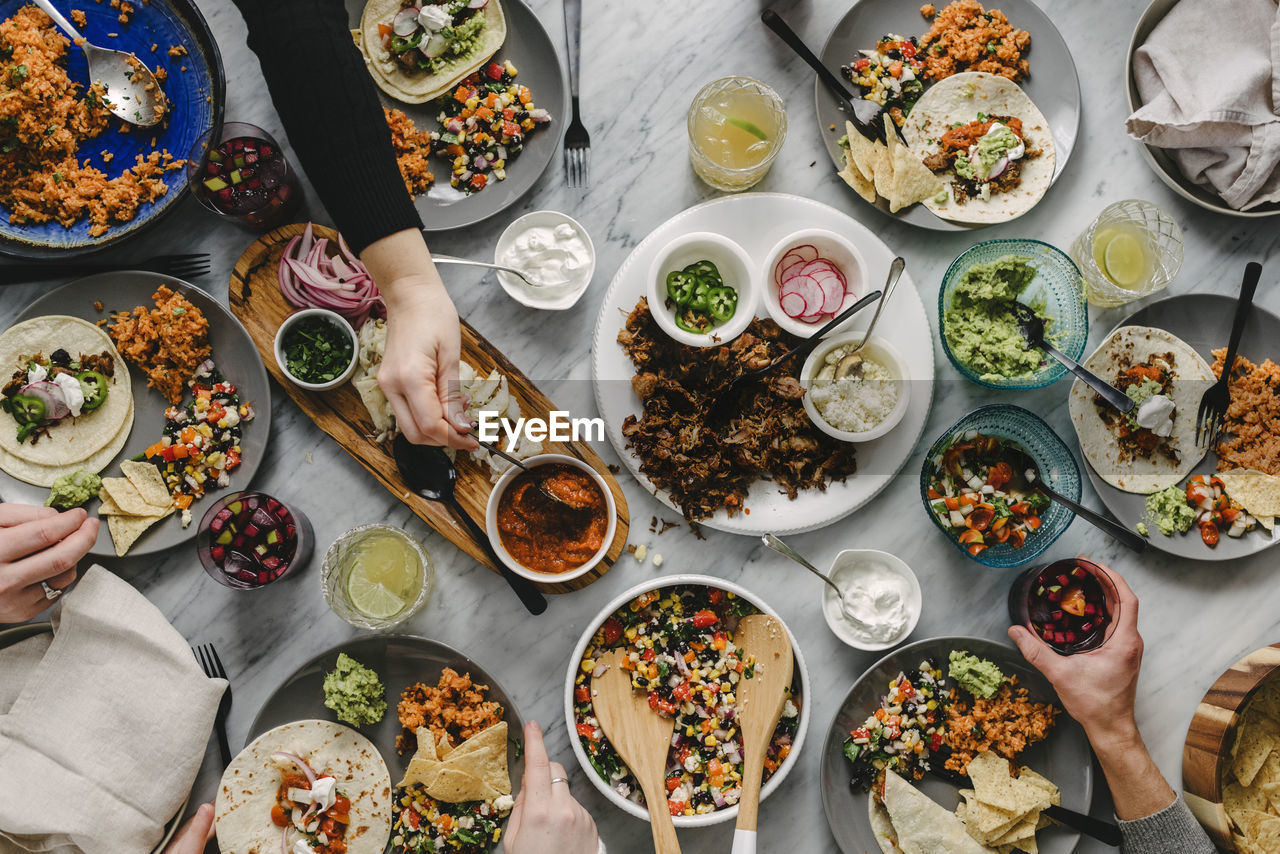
x: 354, y: 692
x: 980, y: 326
x: 976, y: 675
x: 72, y: 490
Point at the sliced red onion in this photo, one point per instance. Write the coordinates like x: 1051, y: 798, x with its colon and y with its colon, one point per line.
x: 55, y: 402
x: 284, y: 841
x: 717, y: 797
x: 299, y: 761
x: 310, y: 277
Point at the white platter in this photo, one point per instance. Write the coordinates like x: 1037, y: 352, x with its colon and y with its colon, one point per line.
x: 758, y: 221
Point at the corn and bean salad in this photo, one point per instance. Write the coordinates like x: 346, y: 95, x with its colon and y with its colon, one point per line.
x: 904, y: 731
x: 680, y: 650
x: 889, y: 75
x: 483, y: 125
x: 423, y: 825
x: 200, y: 445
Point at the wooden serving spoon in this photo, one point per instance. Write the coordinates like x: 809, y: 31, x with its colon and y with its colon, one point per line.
x: 760, y: 702
x: 642, y: 737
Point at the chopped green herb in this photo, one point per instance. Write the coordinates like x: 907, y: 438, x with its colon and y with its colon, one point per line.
x: 317, y: 350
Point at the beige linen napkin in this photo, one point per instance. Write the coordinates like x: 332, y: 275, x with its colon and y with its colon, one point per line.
x: 106, y: 730
x: 1209, y: 77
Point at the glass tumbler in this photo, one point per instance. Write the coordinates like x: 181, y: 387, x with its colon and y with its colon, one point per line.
x: 736, y: 128
x: 1153, y: 256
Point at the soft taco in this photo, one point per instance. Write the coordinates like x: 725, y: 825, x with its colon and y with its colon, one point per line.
x: 988, y: 142
x: 418, y: 49
x: 907, y: 821
x: 66, y: 400
x: 1153, y: 446
x: 301, y: 780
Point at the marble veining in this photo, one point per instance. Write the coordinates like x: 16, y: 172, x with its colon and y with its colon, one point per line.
x: 642, y: 62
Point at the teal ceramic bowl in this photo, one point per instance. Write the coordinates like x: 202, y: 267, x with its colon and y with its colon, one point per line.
x: 1057, y: 286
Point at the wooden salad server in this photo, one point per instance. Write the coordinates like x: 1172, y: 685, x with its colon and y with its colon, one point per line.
x: 760, y: 702
x: 641, y: 736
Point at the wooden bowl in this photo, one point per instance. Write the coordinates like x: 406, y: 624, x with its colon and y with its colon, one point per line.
x: 1212, y: 733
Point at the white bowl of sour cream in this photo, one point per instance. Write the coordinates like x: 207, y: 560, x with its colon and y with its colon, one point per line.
x: 551, y: 248
x: 880, y: 590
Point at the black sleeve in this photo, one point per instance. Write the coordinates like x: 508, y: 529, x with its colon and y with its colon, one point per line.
x: 330, y: 109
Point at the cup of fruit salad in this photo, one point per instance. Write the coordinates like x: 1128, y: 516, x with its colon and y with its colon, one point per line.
x: 248, y: 539
x: 1072, y: 605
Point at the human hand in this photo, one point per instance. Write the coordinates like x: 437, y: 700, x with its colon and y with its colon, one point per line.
x: 1097, y: 688
x: 195, y: 834
x: 39, y: 544
x: 546, y: 819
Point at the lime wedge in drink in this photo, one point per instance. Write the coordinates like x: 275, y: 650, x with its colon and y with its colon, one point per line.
x: 370, y: 597
x: 743, y: 124
x: 1124, y: 260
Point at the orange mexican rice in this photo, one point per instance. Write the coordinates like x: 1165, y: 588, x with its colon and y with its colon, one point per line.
x: 413, y: 152
x: 1008, y: 724
x: 966, y: 37
x: 44, y: 117
x: 455, y: 708
x: 1251, y: 428
x: 167, y: 342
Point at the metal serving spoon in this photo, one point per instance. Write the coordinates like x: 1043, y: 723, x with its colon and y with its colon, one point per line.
x: 131, y: 89
x: 1032, y: 328
x: 852, y: 363
x: 786, y: 551
x: 428, y: 471
x: 1027, y: 474
x: 538, y: 480
x: 467, y: 262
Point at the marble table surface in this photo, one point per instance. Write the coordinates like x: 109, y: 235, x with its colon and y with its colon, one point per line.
x: 639, y: 74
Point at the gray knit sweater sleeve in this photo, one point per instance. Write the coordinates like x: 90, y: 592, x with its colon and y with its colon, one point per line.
x: 1174, y: 828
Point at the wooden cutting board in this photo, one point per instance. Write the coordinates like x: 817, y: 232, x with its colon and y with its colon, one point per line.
x: 256, y: 300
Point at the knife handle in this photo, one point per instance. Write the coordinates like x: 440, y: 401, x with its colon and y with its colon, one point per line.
x: 530, y: 596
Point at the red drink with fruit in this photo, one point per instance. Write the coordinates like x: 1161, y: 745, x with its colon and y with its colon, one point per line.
x: 241, y: 173
x: 249, y: 539
x: 1071, y: 604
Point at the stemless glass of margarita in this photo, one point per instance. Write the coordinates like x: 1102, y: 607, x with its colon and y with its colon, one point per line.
x: 736, y: 129
x: 1131, y: 250
x: 376, y: 576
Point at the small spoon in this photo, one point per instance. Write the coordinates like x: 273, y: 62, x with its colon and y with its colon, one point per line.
x: 467, y: 262
x: 131, y: 89
x: 783, y: 549
x: 761, y: 699
x: 852, y: 363
x: 538, y: 480
x: 1030, y: 475
x: 428, y: 471
x: 1032, y: 328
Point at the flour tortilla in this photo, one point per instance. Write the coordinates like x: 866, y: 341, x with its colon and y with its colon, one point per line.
x: 393, y: 79
x: 72, y: 443
x: 248, y: 787
x: 1191, y: 377
x: 922, y: 826
x: 960, y: 98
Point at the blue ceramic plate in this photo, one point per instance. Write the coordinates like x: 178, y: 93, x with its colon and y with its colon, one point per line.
x: 197, y: 96
x: 1053, y: 460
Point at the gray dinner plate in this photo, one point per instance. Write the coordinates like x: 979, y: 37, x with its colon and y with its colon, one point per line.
x: 233, y: 352
x: 1064, y: 757
x: 529, y: 48
x: 399, y: 661
x: 1052, y: 83
x: 1166, y: 169
x: 1204, y: 322
x: 11, y: 635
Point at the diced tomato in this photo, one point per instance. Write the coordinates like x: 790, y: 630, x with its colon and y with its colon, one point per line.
x: 935, y: 741
x: 682, y: 692
x: 478, y: 181
x: 933, y: 493
x: 1033, y: 522
x: 510, y: 130
x: 716, y: 597
x: 861, y: 64
x: 612, y: 630
x: 384, y: 31
x: 895, y: 68
x: 1209, y: 533
x: 508, y: 114
x: 675, y: 807
x: 648, y: 654
x: 705, y: 618
x: 587, y: 731
x: 719, y: 641
x: 999, y: 474
x: 278, y: 818
x: 412, y: 818
x: 673, y: 783
x: 494, y: 70
x: 581, y: 694
x: 233, y: 459
x: 907, y: 49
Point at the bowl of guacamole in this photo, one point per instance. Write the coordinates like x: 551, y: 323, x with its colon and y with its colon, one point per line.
x: 979, y: 332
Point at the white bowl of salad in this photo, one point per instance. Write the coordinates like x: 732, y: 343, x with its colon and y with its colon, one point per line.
x: 709, y: 762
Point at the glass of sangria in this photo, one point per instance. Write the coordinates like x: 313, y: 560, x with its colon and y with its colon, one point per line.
x: 1072, y: 605
x: 248, y: 539
x: 239, y: 172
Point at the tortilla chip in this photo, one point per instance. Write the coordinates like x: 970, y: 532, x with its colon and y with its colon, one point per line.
x: 1026, y: 775
x: 994, y: 786
x: 1258, y: 492
x: 860, y: 151
x: 127, y: 497
x: 1256, y: 737
x: 443, y: 748
x: 1260, y: 828
x: 882, y: 169
x: 109, y: 506
x: 861, y: 185
x: 454, y: 787
x: 146, y: 478
x: 912, y: 180
x: 125, y: 530
x: 986, y: 822
x: 1237, y: 797
x: 1245, y: 846
x: 484, y: 756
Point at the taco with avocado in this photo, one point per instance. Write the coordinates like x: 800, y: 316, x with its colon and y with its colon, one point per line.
x: 988, y: 142
x: 66, y: 403
x: 418, y: 49
x: 1153, y: 446
x: 312, y: 782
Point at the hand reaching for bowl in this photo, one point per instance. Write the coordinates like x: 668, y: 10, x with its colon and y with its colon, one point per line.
x: 39, y: 544
x: 546, y: 819
x: 419, y: 372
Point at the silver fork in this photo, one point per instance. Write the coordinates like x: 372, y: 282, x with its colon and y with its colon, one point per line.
x: 577, y: 142
x: 1216, y: 399
x: 185, y: 266
x: 212, y: 667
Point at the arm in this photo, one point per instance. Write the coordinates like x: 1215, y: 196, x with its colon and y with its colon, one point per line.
x: 1099, y: 689
x: 330, y: 108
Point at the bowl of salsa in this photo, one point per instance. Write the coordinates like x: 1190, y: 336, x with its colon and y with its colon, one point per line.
x: 554, y: 522
x: 249, y: 539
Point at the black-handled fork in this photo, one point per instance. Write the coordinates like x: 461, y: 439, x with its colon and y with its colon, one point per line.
x: 1216, y: 399
x: 212, y: 667
x: 188, y: 266
x: 866, y: 115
